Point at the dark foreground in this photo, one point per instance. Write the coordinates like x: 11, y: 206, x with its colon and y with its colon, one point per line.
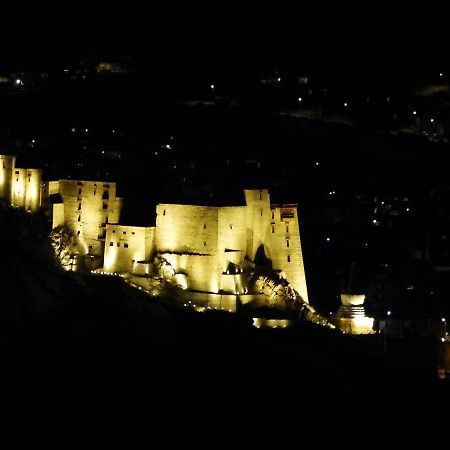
x: 119, y: 370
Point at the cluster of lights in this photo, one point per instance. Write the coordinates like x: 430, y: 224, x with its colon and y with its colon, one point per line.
x: 102, y: 272
x: 201, y: 308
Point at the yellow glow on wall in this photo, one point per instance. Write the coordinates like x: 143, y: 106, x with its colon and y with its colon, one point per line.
x: 110, y: 259
x: 357, y: 325
x: 259, y: 322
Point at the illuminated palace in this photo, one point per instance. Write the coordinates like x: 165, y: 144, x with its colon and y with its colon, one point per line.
x: 203, y: 249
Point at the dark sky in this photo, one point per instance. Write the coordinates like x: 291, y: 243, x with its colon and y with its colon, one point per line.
x: 367, y: 39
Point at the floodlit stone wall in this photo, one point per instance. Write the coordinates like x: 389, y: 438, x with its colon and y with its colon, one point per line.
x: 127, y: 245
x: 88, y: 207
x: 285, y: 247
x: 18, y: 186
x: 7, y: 165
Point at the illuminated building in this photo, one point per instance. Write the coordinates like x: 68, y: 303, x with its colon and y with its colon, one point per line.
x: 18, y: 186
x: 212, y: 244
x: 86, y: 207
x: 202, y: 249
x: 351, y: 316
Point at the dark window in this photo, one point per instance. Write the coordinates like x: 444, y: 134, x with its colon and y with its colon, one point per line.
x: 111, y: 244
x: 125, y: 245
x: 78, y: 233
x: 164, y: 212
x: 261, y: 212
x: 287, y: 213
x: 105, y: 206
x: 231, y: 226
x: 79, y: 191
x: 106, y: 185
x: 273, y: 214
x: 114, y: 231
x: 118, y: 244
x: 204, y: 226
x: 260, y: 197
x: 287, y: 228
x: 79, y: 206
x: 80, y: 183
x: 287, y: 242
x: 133, y: 232
x: 204, y: 244
x: 79, y: 218
x: 90, y: 247
x: 17, y: 172
x: 289, y: 258
x: 273, y: 228
x: 124, y: 232
x: 105, y: 195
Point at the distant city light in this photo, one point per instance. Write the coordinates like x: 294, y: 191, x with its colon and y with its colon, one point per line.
x: 442, y: 339
x: 33, y: 141
x: 278, y: 79
x: 375, y: 221
x: 66, y: 70
x: 168, y: 146
x: 212, y: 86
x: 407, y: 209
x: 443, y: 319
x: 73, y: 130
x: 441, y: 74
x: 317, y: 163
x: 113, y: 130
x: 86, y: 130
x: 431, y: 120
x: 328, y: 239
x: 389, y: 313
x: 414, y: 112
x: 345, y: 104
x: 19, y: 81
x: 300, y: 99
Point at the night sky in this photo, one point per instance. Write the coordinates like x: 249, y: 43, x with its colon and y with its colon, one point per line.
x: 336, y: 41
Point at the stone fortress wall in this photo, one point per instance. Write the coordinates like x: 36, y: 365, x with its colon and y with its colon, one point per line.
x: 205, y: 247
x: 18, y: 186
